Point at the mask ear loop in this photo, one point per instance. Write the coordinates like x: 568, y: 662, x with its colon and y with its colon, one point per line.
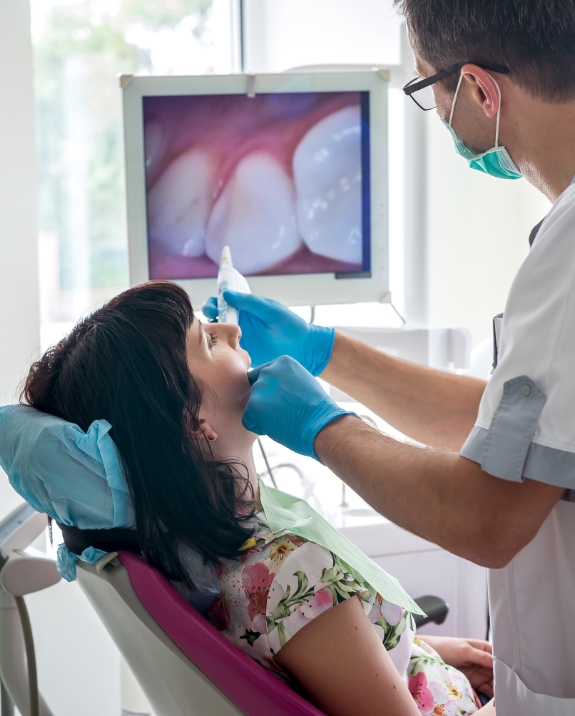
x: 455, y: 99
x: 498, y: 111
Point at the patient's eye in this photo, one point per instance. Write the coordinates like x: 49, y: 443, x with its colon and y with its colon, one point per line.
x: 213, y: 339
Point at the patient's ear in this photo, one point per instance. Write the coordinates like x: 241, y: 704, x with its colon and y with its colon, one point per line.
x: 206, y: 429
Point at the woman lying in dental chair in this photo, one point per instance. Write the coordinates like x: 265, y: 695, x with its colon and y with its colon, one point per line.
x: 174, y: 391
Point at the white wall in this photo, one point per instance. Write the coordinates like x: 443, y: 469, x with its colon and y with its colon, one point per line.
x: 19, y: 309
x: 477, y: 226
x: 282, y: 34
x: 478, y: 236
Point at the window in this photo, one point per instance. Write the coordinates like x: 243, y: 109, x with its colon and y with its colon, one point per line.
x: 80, y: 46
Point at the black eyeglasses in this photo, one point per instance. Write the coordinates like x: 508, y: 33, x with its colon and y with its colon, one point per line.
x: 425, y: 99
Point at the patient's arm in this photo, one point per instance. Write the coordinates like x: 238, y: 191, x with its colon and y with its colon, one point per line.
x: 471, y: 656
x: 343, y: 666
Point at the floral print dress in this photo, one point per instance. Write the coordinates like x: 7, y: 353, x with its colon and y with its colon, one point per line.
x: 279, y: 587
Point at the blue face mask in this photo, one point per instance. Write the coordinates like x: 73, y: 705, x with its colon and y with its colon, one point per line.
x: 496, y: 161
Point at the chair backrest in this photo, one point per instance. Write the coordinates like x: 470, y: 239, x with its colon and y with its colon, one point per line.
x: 184, y: 665
x: 173, y: 684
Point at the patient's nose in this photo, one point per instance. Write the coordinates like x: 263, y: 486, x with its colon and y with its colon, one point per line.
x: 233, y: 334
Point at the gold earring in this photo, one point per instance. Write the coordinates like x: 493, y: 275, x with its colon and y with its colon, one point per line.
x: 212, y: 440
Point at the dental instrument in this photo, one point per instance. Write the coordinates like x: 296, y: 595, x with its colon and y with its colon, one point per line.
x: 309, y: 344
x: 229, y: 279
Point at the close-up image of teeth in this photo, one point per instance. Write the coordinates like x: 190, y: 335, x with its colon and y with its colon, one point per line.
x: 278, y: 178
x: 255, y: 216
x: 180, y: 201
x: 328, y: 184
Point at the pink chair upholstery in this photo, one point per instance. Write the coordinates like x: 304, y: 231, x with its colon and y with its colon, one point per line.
x: 249, y: 685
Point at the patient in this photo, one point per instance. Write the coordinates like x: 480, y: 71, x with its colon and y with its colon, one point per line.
x: 174, y: 391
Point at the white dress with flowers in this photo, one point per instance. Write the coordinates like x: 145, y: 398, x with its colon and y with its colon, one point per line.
x: 277, y: 589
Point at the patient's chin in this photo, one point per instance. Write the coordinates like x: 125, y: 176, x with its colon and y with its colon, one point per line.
x: 246, y: 437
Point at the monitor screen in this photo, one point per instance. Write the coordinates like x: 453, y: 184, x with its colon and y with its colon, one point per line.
x: 283, y: 179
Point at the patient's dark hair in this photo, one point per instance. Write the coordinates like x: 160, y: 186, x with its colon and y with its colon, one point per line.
x: 535, y: 39
x: 126, y: 363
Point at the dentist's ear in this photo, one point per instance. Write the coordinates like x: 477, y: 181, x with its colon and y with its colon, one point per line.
x: 483, y: 87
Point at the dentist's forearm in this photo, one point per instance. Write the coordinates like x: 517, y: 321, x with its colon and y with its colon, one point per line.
x: 437, y: 494
x: 431, y: 406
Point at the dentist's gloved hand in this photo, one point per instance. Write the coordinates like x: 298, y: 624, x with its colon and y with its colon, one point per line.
x: 289, y: 405
x: 270, y: 330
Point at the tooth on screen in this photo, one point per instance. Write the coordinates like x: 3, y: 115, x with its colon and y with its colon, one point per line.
x: 327, y: 173
x: 179, y: 203
x: 155, y: 141
x: 255, y: 216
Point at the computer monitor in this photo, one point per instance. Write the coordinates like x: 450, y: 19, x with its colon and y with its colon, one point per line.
x: 288, y: 170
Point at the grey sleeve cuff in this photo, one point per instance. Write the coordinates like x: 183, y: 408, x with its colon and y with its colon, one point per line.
x: 506, y: 449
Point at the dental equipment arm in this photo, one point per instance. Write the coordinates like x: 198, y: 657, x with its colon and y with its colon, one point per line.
x: 21, y: 572
x: 433, y: 493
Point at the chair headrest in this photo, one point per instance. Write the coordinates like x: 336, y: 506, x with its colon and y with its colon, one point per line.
x: 78, y: 479
x: 75, y: 477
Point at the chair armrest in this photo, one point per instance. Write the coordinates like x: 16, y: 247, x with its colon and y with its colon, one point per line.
x: 435, y: 608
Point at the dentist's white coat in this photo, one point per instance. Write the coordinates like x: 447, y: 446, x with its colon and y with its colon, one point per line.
x: 526, y: 428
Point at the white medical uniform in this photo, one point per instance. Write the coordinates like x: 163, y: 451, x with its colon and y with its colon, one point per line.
x: 526, y: 428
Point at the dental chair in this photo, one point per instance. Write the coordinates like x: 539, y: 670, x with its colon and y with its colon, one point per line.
x: 183, y: 664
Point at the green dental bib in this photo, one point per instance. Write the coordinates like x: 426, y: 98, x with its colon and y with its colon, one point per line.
x: 288, y: 514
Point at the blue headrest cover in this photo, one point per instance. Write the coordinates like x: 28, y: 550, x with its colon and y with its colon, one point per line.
x: 76, y: 478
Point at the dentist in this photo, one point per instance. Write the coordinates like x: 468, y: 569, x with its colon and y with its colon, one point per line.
x: 497, y: 484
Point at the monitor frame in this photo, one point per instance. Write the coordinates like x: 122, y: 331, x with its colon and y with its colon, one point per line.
x: 309, y: 289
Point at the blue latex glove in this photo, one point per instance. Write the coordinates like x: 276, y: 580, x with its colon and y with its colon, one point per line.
x: 289, y: 405
x: 270, y: 330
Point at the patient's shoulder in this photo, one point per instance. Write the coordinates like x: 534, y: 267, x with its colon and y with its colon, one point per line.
x: 310, y: 580
x: 276, y: 589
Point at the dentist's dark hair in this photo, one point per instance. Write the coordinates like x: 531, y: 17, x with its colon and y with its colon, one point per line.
x: 127, y: 363
x: 535, y: 39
